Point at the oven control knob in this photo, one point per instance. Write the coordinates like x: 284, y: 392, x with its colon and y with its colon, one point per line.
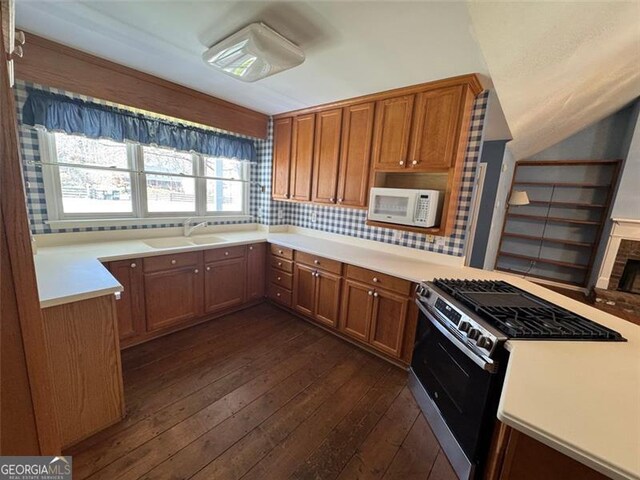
x: 485, y: 342
x: 473, y: 334
x: 464, y: 326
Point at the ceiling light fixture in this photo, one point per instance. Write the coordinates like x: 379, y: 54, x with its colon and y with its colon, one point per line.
x: 253, y: 53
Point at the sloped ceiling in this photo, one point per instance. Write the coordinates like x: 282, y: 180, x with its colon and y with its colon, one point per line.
x: 558, y: 67
x: 352, y: 48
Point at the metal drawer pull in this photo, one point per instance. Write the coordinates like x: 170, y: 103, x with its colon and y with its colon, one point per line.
x: 279, y: 264
x: 375, y: 294
x: 195, y: 271
x: 278, y: 294
x: 375, y: 280
x: 280, y: 252
x: 279, y: 278
x: 251, y: 247
x: 317, y: 262
x: 370, y: 292
x: 133, y: 265
x: 226, y: 253
x: 401, y: 162
x: 415, y: 162
x: 173, y: 262
x: 208, y: 269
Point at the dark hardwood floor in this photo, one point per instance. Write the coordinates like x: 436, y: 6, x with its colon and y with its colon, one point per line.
x: 261, y: 394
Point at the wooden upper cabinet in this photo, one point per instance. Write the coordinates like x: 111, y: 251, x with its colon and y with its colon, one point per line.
x: 302, y: 157
x: 355, y: 157
x: 130, y: 306
x: 326, y: 156
x: 391, y: 132
x: 282, y: 136
x: 436, y: 126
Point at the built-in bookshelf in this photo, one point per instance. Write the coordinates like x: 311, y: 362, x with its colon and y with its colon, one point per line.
x: 555, y: 236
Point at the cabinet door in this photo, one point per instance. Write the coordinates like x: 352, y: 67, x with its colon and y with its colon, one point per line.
x: 302, y: 157
x: 326, y: 156
x: 355, y: 157
x: 172, y: 297
x: 304, y: 287
x: 391, y: 132
x: 256, y: 266
x: 130, y: 307
x: 224, y: 284
x: 281, y: 158
x: 387, y: 323
x: 327, y: 298
x: 435, y: 128
x: 357, y: 306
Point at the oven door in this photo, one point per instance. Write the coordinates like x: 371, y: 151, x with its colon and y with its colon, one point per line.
x: 463, y: 392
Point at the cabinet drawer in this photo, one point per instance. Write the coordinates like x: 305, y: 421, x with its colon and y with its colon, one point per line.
x: 325, y: 264
x: 216, y: 254
x: 280, y: 278
x: 380, y: 280
x: 280, y: 295
x: 283, y: 252
x: 281, y: 264
x: 168, y: 262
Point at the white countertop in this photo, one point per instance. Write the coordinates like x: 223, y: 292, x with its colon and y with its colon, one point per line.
x: 582, y: 398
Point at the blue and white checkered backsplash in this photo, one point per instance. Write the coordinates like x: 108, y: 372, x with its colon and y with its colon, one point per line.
x: 262, y: 208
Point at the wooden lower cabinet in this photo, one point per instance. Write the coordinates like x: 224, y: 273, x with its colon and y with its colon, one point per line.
x: 84, y: 358
x: 387, y: 321
x: 357, y: 306
x: 516, y: 456
x: 172, y: 296
x: 130, y: 307
x: 327, y: 298
x: 224, y: 284
x: 316, y: 293
x: 256, y: 271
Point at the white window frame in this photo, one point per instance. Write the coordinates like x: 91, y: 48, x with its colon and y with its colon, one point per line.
x: 140, y: 214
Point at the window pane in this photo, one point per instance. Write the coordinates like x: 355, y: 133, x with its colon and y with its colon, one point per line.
x: 169, y: 193
x: 224, y: 196
x: 95, y: 191
x: 90, y: 151
x: 223, y: 167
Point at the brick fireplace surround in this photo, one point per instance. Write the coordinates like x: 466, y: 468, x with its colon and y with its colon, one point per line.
x: 624, y: 246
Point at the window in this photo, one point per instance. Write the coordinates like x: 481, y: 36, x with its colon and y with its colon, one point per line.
x: 103, y: 179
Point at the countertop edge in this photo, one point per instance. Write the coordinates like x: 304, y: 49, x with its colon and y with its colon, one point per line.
x: 56, y: 302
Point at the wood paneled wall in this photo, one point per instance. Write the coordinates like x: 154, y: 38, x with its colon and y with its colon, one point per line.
x: 55, y: 65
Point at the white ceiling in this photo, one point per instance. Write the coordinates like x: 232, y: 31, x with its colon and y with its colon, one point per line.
x: 558, y: 67
x: 352, y: 48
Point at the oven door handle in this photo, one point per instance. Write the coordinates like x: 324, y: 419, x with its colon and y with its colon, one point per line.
x: 485, y: 364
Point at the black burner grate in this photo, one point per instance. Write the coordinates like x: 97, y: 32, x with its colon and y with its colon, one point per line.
x: 519, y: 314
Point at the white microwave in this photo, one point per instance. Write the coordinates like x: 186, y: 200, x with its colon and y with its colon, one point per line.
x: 405, y: 206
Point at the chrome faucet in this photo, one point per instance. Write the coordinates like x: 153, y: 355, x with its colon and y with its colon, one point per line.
x: 187, y: 229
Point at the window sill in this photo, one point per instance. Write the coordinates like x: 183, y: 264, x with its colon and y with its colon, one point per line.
x: 126, y: 222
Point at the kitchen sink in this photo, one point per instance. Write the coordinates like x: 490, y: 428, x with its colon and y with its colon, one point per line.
x: 170, y: 242
x: 206, y: 239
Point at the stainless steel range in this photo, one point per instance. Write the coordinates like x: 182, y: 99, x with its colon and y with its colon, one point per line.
x: 459, y: 357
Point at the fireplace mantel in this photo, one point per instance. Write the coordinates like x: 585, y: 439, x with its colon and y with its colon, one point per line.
x: 623, y: 229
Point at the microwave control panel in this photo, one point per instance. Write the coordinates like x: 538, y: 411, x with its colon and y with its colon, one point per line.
x: 422, y: 209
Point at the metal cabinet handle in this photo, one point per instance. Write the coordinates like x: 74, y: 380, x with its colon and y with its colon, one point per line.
x: 133, y: 265
x: 332, y: 199
x: 375, y: 279
x: 370, y: 292
x: 277, y: 294
x: 279, y: 278
x: 401, y: 162
x: 317, y: 262
x: 226, y: 254
x: 208, y: 269
x: 173, y: 262
x: 251, y: 247
x: 415, y: 162
x: 340, y: 200
x: 280, y: 252
x: 279, y: 264
x: 375, y: 294
x: 195, y: 271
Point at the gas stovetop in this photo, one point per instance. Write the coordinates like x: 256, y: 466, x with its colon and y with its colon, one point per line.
x: 520, y: 315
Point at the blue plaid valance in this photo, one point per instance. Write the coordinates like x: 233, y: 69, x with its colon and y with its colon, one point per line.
x: 74, y: 116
